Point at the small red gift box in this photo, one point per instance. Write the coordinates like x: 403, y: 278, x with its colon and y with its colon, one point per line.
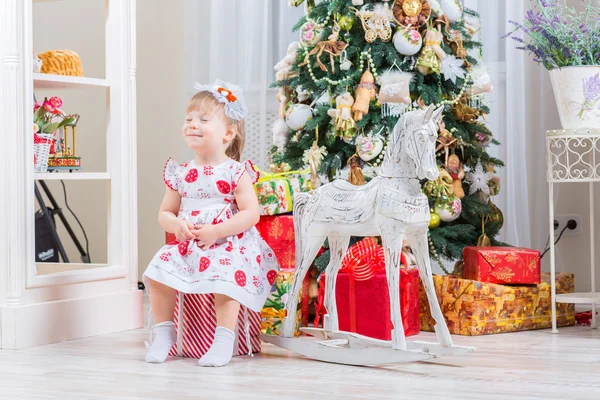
x: 278, y: 232
x: 502, y: 265
x: 196, y: 321
x: 362, y: 296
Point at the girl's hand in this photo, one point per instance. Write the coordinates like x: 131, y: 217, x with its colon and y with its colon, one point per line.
x: 206, y: 235
x: 183, y: 231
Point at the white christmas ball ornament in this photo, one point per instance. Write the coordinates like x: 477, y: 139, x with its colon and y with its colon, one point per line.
x: 408, y: 42
x: 436, y: 8
x: 453, y: 9
x: 449, y: 209
x: 297, y: 116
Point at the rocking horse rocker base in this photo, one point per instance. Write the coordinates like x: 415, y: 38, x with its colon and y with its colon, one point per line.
x: 392, y: 206
x: 350, y: 348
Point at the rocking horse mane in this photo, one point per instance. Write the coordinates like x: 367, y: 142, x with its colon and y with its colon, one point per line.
x: 399, y: 133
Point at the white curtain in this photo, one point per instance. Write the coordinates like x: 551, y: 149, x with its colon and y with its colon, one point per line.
x: 240, y: 41
x: 522, y: 109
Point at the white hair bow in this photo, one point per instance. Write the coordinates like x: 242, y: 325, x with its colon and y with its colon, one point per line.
x: 229, y: 94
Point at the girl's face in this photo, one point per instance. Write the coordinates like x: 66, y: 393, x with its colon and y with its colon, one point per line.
x: 206, y: 132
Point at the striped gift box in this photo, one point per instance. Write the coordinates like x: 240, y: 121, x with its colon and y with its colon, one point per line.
x: 196, y: 322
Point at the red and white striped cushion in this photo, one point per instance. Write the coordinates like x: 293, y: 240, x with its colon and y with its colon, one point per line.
x: 198, y: 322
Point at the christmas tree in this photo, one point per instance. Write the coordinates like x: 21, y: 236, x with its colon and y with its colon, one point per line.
x: 358, y: 66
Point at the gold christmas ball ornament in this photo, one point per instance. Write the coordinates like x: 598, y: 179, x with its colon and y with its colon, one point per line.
x: 412, y: 7
x: 496, y: 218
x: 434, y: 220
x: 411, y: 13
x: 346, y: 22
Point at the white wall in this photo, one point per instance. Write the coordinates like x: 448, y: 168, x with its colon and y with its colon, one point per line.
x: 161, y: 108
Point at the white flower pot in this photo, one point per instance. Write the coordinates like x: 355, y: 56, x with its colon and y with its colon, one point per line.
x: 41, y: 150
x: 577, y: 94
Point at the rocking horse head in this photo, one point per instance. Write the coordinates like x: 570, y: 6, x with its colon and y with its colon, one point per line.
x: 411, y: 145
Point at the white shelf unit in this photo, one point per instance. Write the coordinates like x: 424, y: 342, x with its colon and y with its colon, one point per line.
x: 573, y: 156
x: 50, y: 81
x: 66, y: 301
x: 72, y: 176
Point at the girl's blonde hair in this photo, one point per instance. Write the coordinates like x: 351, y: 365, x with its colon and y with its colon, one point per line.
x: 205, y: 101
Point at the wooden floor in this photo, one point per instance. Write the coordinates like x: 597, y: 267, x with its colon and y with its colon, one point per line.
x: 524, y: 365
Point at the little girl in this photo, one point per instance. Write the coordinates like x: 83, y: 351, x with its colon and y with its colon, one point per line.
x: 211, y: 207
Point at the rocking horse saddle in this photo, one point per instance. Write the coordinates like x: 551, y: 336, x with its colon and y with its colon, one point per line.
x: 345, y: 202
x: 344, y: 185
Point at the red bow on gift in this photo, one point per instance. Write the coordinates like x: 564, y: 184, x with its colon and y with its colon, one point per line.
x: 362, y: 262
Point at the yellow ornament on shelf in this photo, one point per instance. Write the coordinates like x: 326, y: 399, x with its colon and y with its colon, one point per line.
x: 434, y: 220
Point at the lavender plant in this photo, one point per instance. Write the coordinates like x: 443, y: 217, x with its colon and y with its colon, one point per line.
x: 558, y: 36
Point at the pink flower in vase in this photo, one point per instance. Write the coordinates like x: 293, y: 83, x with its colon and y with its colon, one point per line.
x: 36, y: 106
x: 49, y: 107
x: 56, y: 102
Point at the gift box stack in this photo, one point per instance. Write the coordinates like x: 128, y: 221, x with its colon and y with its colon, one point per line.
x: 502, y: 291
x: 362, y: 295
x: 273, y: 312
x: 278, y: 232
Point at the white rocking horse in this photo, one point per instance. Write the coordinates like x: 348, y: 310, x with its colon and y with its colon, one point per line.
x: 391, y: 206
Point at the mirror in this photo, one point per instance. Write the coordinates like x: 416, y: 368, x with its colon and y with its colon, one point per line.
x: 71, y: 225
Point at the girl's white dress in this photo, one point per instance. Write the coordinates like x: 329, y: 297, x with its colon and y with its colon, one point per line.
x: 243, y: 266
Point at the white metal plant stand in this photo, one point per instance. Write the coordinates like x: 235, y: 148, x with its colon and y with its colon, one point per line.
x: 573, y: 156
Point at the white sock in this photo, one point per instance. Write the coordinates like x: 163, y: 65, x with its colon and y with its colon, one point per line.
x: 221, y: 351
x: 164, y: 340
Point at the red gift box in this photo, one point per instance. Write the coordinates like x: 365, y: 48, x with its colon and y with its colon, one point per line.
x: 278, y: 232
x: 196, y: 321
x: 502, y: 265
x: 362, y: 296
